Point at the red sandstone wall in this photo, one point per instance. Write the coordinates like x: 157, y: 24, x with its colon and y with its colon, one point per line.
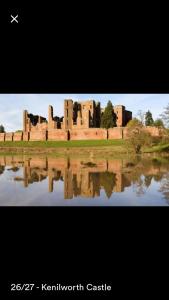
x: 88, y: 134
x: 57, y: 135
x: 25, y: 136
x: 18, y: 136
x: 154, y: 131
x: 115, y: 133
x: 125, y: 132
x: 75, y: 134
x: 39, y: 127
x: 9, y: 136
x: 38, y: 136
x: 2, y: 137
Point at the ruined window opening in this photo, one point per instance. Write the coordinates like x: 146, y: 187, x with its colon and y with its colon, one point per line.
x: 33, y: 119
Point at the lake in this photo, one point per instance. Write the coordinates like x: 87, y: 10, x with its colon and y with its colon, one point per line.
x: 40, y: 180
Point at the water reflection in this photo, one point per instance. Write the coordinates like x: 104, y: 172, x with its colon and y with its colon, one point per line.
x: 88, y: 177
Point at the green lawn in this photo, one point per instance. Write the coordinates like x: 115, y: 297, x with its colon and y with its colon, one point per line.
x: 63, y: 144
x: 158, y: 148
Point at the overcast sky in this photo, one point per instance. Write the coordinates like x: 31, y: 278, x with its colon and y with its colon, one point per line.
x: 12, y: 105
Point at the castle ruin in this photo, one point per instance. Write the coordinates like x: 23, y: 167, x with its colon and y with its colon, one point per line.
x: 83, y: 116
x: 81, y: 121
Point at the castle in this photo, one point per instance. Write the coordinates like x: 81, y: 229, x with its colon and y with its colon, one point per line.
x: 77, y: 115
x: 81, y: 121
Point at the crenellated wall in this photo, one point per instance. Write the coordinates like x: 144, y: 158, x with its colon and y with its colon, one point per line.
x: 38, y: 135
x: 74, y: 134
x: 9, y: 136
x: 57, y: 135
x: 115, y: 133
x: 2, y: 137
x: 88, y: 134
x: 154, y: 131
x: 18, y: 136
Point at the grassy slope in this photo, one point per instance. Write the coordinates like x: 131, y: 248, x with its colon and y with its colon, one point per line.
x: 158, y: 148
x: 101, y: 146
x: 63, y: 144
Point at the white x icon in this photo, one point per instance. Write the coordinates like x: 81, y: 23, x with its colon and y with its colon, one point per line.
x: 14, y: 19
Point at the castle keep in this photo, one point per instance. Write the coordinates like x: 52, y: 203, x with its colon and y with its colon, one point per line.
x: 77, y: 115
x: 81, y: 120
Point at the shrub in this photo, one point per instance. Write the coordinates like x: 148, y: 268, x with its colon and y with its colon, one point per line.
x: 138, y: 138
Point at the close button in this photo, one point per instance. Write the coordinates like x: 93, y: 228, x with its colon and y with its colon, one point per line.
x: 14, y: 19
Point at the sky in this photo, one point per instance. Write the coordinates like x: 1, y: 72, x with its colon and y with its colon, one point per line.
x: 12, y: 105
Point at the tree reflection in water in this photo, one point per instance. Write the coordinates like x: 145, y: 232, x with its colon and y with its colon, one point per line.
x: 139, y: 186
x: 147, y: 180
x: 164, y: 189
x: 108, y: 182
x: 2, y: 168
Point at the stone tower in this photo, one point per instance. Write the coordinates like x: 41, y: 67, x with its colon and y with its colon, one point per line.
x: 50, y: 117
x: 120, y: 113
x: 50, y: 113
x: 68, y: 113
x: 24, y: 120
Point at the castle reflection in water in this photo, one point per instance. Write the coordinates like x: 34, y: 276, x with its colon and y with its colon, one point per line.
x: 81, y: 177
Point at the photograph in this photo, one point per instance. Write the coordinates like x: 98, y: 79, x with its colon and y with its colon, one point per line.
x: 84, y: 150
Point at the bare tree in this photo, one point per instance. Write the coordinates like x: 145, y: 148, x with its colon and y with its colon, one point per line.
x: 165, y: 115
x: 141, y: 116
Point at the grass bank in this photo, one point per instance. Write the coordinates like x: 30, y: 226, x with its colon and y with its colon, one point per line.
x: 62, y: 144
x: 161, y: 148
x: 98, y: 148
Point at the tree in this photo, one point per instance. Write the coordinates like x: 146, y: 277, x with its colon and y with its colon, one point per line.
x: 149, y: 119
x: 137, y: 137
x: 134, y: 123
x: 108, y: 118
x: 159, y: 123
x: 2, y: 129
x: 165, y: 116
x: 141, y: 116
